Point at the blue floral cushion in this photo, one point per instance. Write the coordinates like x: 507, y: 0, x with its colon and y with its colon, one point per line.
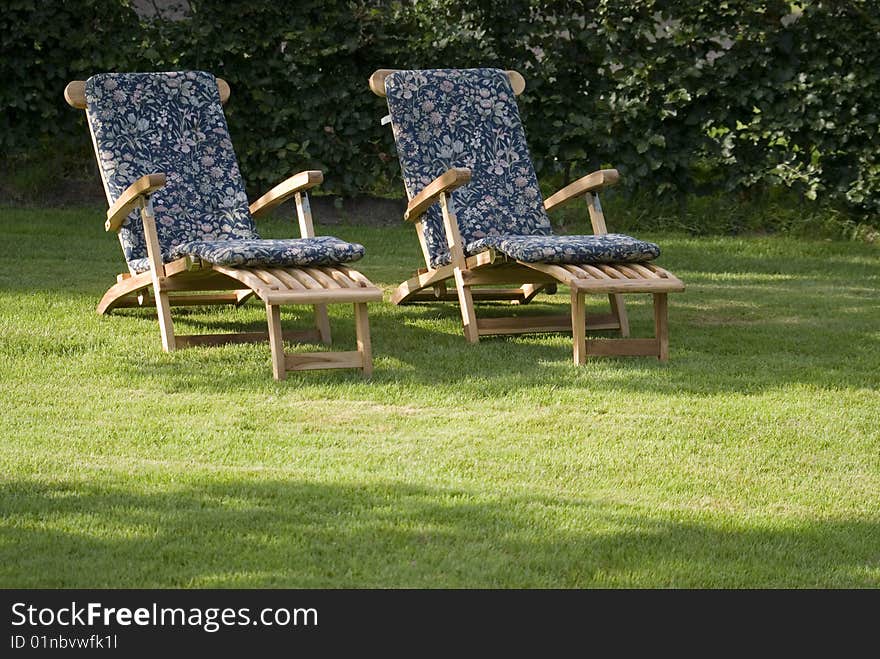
x: 466, y: 118
x: 169, y: 122
x: 607, y: 248
x: 469, y: 118
x: 323, y: 250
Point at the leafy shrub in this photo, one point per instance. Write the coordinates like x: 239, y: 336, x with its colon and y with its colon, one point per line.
x: 685, y: 97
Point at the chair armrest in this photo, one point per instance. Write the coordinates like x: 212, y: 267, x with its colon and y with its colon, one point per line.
x: 130, y: 198
x: 446, y: 182
x: 589, y: 183
x: 285, y: 190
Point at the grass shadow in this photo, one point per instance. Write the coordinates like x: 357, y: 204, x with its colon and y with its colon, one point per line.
x: 282, y: 533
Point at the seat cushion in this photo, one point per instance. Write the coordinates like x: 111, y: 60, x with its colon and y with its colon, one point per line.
x: 608, y: 248
x: 323, y: 250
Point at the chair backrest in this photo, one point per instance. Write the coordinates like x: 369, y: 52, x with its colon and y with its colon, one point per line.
x: 144, y: 123
x: 446, y: 118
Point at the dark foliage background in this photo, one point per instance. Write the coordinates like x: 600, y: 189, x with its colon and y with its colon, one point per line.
x: 695, y: 96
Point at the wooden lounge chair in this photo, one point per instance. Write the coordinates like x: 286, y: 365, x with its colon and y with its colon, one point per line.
x: 459, y: 130
x: 178, y: 204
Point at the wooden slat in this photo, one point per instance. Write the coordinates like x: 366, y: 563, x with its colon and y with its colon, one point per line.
x: 645, y: 272
x: 505, y: 274
x: 305, y: 279
x: 271, y: 280
x: 245, y: 276
x: 478, y: 294
x: 524, y: 325
x: 611, y: 271
x: 354, y: 275
x: 323, y: 296
x: 541, y: 324
x: 316, y: 360
x: 340, y: 278
x: 629, y: 272
x: 658, y: 270
x: 186, y: 300
x: 593, y: 270
x: 322, y: 277
x: 622, y: 347
x: 297, y: 336
x: 628, y: 285
x: 289, y: 280
x: 203, y: 281
x: 602, y: 321
x: 556, y: 271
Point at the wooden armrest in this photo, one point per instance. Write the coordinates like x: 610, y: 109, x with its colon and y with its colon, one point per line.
x: 284, y: 191
x: 589, y: 183
x: 446, y: 182
x: 130, y: 198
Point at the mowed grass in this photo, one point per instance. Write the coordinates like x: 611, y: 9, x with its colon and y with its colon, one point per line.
x: 751, y: 459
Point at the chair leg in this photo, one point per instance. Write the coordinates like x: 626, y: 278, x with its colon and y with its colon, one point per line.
x: 166, y: 325
x: 618, y: 308
x: 466, y: 302
x: 322, y: 322
x: 578, y: 327
x: 362, y: 330
x: 661, y: 326
x: 276, y: 341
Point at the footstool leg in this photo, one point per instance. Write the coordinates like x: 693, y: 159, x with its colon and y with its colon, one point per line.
x: 276, y: 341
x: 578, y: 327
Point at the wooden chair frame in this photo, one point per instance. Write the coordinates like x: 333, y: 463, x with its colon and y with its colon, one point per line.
x: 189, y: 281
x: 492, y: 268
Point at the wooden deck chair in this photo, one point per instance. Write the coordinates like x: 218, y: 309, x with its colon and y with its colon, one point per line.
x: 459, y: 130
x: 163, y: 149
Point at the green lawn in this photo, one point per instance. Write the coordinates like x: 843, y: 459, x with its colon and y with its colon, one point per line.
x: 751, y: 459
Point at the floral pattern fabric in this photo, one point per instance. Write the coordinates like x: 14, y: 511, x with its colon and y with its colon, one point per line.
x: 607, y: 248
x: 144, y: 123
x: 445, y: 118
x: 323, y: 250
x: 466, y: 118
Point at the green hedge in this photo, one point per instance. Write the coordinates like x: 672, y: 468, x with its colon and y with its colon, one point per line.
x: 681, y: 96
